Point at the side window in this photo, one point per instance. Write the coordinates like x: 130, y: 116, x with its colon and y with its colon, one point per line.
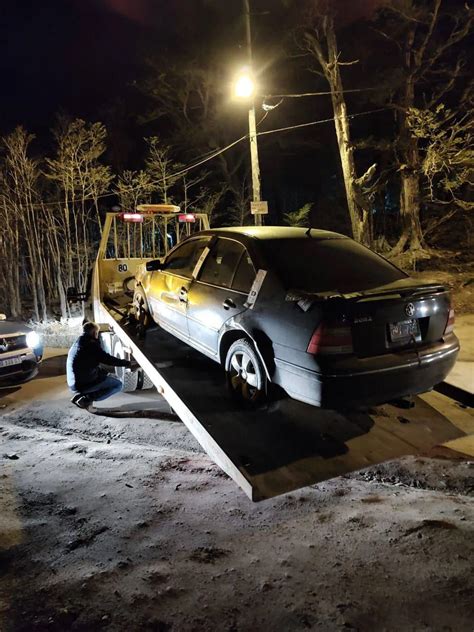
x: 245, y: 274
x: 185, y: 257
x: 221, y: 263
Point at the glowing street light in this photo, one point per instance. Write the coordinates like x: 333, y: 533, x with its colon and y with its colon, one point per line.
x: 244, y: 86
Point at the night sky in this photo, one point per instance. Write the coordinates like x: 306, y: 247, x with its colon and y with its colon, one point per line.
x: 80, y: 55
x: 83, y: 57
x: 64, y: 54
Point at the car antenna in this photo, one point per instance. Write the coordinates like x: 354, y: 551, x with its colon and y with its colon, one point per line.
x: 308, y: 232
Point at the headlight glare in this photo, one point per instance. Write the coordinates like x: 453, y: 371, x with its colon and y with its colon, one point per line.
x: 33, y: 339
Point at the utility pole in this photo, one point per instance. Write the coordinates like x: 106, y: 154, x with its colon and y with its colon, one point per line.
x: 256, y: 195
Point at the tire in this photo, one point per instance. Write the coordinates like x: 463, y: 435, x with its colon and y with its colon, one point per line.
x: 128, y: 378
x: 129, y: 285
x: 141, y: 313
x: 245, y: 374
x: 144, y: 381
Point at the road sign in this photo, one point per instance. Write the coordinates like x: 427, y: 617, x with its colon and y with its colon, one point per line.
x: 259, y: 208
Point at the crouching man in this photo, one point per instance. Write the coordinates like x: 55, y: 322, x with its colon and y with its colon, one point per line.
x: 85, y: 377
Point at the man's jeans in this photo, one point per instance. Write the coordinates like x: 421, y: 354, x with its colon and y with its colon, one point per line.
x: 104, y: 389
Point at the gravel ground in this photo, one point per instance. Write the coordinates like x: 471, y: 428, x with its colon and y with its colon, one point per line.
x: 125, y: 524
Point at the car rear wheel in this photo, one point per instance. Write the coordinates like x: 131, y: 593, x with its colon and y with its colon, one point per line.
x: 246, y: 377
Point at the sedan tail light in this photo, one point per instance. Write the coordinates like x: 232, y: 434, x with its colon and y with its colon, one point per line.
x: 450, y: 322
x: 331, y: 339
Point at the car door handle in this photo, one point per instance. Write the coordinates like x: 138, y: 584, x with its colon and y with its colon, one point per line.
x: 183, y: 295
x: 228, y: 303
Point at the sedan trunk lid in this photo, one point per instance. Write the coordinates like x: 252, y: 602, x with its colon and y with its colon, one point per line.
x: 384, y: 319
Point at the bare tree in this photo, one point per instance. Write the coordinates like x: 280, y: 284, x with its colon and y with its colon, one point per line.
x: 207, y: 201
x: 10, y: 242
x: 189, y: 96
x: 134, y: 188
x: 239, y: 212
x: 447, y: 155
x: 21, y: 174
x: 79, y: 179
x: 191, y: 196
x: 320, y: 41
x: 424, y: 36
x: 161, y: 168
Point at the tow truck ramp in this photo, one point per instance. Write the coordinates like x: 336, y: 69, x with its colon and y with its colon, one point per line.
x: 284, y: 445
x: 277, y: 448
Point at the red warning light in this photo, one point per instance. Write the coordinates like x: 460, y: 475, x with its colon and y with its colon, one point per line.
x: 131, y: 217
x: 187, y: 217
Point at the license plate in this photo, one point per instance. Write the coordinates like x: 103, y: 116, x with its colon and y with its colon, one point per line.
x: 10, y: 361
x: 403, y: 330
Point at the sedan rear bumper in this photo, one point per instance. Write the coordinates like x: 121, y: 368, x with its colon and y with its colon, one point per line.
x: 373, y: 380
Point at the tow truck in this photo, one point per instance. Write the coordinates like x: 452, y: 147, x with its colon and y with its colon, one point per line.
x: 279, y: 447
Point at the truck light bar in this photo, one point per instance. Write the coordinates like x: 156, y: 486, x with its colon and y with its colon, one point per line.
x: 158, y: 208
x: 187, y: 217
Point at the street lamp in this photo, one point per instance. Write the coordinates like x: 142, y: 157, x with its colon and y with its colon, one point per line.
x: 244, y: 85
x: 244, y: 88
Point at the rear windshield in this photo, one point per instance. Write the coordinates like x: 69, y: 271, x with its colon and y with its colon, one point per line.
x: 321, y: 265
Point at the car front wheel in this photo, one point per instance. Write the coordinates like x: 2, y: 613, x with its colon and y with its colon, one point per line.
x: 142, y: 316
x: 245, y: 374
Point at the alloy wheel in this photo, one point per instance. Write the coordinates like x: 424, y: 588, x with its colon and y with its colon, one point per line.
x: 244, y: 378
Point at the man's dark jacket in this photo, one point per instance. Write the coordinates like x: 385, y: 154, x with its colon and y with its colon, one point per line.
x: 83, y: 361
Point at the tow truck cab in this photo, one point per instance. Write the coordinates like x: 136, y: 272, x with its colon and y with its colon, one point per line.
x: 129, y: 240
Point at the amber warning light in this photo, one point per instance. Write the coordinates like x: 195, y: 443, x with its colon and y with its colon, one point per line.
x: 158, y: 208
x: 131, y: 217
x: 187, y: 217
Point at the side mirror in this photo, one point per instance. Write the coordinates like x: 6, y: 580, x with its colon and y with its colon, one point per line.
x: 155, y: 265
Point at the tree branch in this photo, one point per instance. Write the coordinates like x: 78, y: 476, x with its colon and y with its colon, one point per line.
x: 456, y: 35
x: 418, y: 55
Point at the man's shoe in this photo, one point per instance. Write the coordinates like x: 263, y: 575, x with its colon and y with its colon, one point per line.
x: 81, y: 401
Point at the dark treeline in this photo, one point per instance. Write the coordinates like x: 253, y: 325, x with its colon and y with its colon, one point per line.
x: 394, y: 167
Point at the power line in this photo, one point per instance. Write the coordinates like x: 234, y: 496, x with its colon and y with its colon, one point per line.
x: 328, y: 120
x: 220, y: 151
x: 217, y: 152
x: 315, y: 94
x: 173, y: 175
x: 271, y: 131
x: 205, y: 158
x: 214, y: 155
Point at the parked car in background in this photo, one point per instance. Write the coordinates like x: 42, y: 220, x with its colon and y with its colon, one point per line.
x: 21, y: 351
x: 325, y: 318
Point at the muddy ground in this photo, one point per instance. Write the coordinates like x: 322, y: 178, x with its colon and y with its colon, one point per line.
x: 125, y: 524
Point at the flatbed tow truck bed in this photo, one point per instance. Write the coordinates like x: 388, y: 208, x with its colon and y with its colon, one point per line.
x: 286, y: 444
x: 277, y: 448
